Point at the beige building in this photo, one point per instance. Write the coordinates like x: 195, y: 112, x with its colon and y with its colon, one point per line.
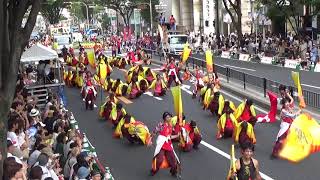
x: 201, y: 15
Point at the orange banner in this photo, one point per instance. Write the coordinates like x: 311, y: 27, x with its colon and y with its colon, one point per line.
x: 209, y: 60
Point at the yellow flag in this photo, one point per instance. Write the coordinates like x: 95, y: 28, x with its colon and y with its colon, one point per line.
x: 102, y: 71
x: 91, y: 59
x: 232, y: 163
x: 177, y: 101
x: 296, y: 80
x: 186, y: 52
x: 55, y: 46
x: 303, y: 139
x: 209, y: 61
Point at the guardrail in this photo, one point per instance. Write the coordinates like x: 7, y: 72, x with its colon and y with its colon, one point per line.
x: 259, y: 83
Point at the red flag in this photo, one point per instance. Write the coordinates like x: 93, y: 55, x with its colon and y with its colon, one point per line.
x: 271, y: 116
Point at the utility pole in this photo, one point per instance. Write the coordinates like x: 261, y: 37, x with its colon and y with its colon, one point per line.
x: 217, y: 23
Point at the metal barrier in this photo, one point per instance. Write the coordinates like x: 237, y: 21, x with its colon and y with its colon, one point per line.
x: 259, y: 83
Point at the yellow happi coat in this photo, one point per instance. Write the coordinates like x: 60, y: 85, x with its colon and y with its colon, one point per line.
x: 117, y: 132
x: 222, y: 122
x: 240, y: 110
x: 250, y: 133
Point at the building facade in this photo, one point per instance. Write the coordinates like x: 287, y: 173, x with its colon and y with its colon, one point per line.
x: 201, y: 15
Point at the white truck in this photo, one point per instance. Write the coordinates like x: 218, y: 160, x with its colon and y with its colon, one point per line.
x: 176, y: 43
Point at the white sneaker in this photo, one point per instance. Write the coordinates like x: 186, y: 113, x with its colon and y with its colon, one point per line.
x: 89, y: 102
x: 83, y: 100
x: 95, y: 106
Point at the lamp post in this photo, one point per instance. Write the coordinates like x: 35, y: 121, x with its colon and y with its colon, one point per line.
x: 150, y: 6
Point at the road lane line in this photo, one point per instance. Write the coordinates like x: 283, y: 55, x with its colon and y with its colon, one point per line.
x: 239, y: 67
x: 264, y: 176
x: 148, y: 93
x: 310, y: 86
x: 125, y: 100
x: 184, y: 88
x: 151, y: 95
x: 159, y: 98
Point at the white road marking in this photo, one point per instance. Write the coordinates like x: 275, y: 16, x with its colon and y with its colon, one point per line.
x: 310, y: 86
x: 159, y: 98
x: 264, y: 176
x: 186, y: 89
x: 239, y: 67
x: 151, y: 95
x: 148, y: 93
x: 157, y: 69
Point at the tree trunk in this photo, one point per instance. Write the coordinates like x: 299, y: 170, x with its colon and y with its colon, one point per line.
x: 13, y: 38
x: 239, y: 22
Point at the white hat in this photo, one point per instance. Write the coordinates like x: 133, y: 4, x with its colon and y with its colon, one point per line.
x: 34, y: 112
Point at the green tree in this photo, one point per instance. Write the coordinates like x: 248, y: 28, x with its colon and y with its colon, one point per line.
x: 52, y: 9
x: 145, y: 13
x: 123, y: 7
x: 291, y: 10
x: 76, y: 9
x: 14, y: 36
x: 234, y: 10
x: 106, y: 21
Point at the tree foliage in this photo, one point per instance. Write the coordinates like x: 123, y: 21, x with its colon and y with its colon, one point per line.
x: 145, y: 13
x: 234, y: 10
x: 291, y: 10
x: 52, y: 9
x: 123, y: 7
x: 14, y: 36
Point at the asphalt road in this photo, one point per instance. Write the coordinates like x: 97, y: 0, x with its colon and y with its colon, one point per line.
x: 133, y: 162
x: 310, y: 80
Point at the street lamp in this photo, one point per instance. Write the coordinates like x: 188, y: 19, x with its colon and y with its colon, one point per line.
x: 150, y: 6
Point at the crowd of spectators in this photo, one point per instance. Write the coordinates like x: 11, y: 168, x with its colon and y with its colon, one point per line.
x: 290, y: 47
x: 42, y: 144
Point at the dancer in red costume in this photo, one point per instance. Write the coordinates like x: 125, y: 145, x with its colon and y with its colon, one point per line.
x: 164, y: 155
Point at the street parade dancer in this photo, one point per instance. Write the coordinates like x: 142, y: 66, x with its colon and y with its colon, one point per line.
x: 226, y: 124
x: 158, y: 86
x: 246, y: 112
x: 164, y: 155
x: 172, y: 73
x: 287, y: 116
x: 90, y: 95
x: 246, y: 168
x: 117, y: 113
x: 134, y: 90
x: 198, y: 83
x: 190, y: 136
x: 216, y: 104
x: 244, y: 133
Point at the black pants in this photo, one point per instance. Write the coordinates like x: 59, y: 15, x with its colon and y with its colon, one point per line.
x: 90, y: 97
x: 172, y: 78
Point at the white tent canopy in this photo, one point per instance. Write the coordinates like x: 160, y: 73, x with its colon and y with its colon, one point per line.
x: 38, y: 52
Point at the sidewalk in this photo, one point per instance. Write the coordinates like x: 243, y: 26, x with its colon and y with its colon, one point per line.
x: 236, y: 88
